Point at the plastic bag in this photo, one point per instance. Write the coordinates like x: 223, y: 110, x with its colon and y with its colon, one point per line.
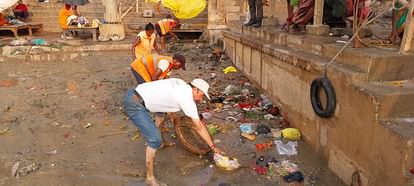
x: 184, y: 9
x: 286, y: 149
x: 291, y: 134
x: 226, y: 163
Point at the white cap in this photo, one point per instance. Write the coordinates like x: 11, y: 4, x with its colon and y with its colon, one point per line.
x: 202, y: 85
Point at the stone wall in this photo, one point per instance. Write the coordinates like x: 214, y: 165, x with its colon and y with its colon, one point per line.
x: 367, y: 135
x: 223, y: 12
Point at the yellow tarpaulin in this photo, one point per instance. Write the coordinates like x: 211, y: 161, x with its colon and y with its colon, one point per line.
x: 184, y: 9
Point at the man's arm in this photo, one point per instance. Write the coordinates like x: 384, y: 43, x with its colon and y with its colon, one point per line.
x: 202, y: 131
x: 156, y: 47
x: 156, y: 74
x: 136, y: 42
x: 174, y: 36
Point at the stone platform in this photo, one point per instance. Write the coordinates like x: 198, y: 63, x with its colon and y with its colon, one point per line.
x: 372, y: 129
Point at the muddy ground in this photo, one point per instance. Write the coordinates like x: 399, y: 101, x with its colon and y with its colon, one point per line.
x: 55, y: 115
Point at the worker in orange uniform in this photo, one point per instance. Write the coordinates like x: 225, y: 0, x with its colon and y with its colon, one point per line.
x: 164, y: 27
x: 145, y: 41
x: 154, y: 67
x: 64, y: 13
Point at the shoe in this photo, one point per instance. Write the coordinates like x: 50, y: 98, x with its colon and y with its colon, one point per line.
x: 251, y: 22
x: 257, y: 24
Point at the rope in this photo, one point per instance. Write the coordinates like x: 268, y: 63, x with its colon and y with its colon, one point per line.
x: 352, y: 38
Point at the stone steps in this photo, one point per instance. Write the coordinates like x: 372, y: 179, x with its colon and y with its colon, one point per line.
x: 391, y: 97
x: 387, y: 97
x: 379, y: 64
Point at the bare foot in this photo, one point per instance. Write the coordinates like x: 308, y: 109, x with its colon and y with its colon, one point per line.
x: 154, y: 182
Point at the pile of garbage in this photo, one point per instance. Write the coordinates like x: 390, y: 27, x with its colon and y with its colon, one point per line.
x: 259, y: 120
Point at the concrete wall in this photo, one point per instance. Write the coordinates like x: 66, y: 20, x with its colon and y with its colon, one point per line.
x: 354, y: 139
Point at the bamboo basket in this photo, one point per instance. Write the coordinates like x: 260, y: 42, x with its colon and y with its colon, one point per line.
x: 188, y: 136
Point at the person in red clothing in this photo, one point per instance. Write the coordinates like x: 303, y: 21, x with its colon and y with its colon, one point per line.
x: 3, y: 20
x: 21, y: 11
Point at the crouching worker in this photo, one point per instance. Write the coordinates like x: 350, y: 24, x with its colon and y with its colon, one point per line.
x: 170, y: 95
x: 154, y: 67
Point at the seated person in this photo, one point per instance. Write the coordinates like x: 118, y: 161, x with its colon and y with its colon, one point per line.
x: 399, y: 17
x: 3, y: 20
x: 64, y: 13
x: 301, y: 16
x: 363, y: 13
x: 20, y: 11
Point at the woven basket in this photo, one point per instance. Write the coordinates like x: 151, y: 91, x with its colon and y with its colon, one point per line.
x: 189, y: 137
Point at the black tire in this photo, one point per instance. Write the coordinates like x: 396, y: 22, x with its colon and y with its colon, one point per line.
x: 325, y: 84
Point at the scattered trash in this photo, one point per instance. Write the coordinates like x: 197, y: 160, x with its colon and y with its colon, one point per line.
x: 294, y: 177
x: 285, y: 167
x: 206, y: 116
x: 4, y: 131
x: 213, y: 128
x: 232, y: 113
x: 260, y: 170
x: 18, y: 171
x: 284, y: 124
x: 273, y: 110
x: 263, y: 161
x: 291, y: 134
x: 245, y: 91
x: 229, y: 69
x: 217, y: 100
x: 264, y: 146
x: 39, y: 41
x: 265, y: 165
x: 18, y: 42
x: 276, y: 133
x: 231, y: 89
x: 250, y: 137
x: 226, y: 163
x: 14, y: 169
x: 174, y: 135
x: 346, y: 37
x: 123, y: 127
x: 8, y: 82
x: 286, y: 149
x: 396, y: 83
x: 231, y: 119
x: 262, y: 129
x: 136, y: 135
x: 53, y: 152
x: 87, y: 125
x: 268, y: 116
x: 66, y: 135
x: 248, y: 128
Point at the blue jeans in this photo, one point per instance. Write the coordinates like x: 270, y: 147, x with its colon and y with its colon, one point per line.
x: 138, y: 77
x: 141, y: 118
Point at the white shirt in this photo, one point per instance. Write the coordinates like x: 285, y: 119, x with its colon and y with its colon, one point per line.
x: 169, y: 95
x: 163, y: 65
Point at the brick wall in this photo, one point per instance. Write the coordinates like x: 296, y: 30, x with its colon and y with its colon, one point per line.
x: 47, y: 13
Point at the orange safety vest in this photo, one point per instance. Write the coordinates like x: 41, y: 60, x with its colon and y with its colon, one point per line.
x: 146, y: 66
x: 165, y: 25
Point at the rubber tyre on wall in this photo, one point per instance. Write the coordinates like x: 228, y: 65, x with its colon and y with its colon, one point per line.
x: 316, y: 86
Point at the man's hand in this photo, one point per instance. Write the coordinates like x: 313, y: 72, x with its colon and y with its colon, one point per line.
x: 218, y: 151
